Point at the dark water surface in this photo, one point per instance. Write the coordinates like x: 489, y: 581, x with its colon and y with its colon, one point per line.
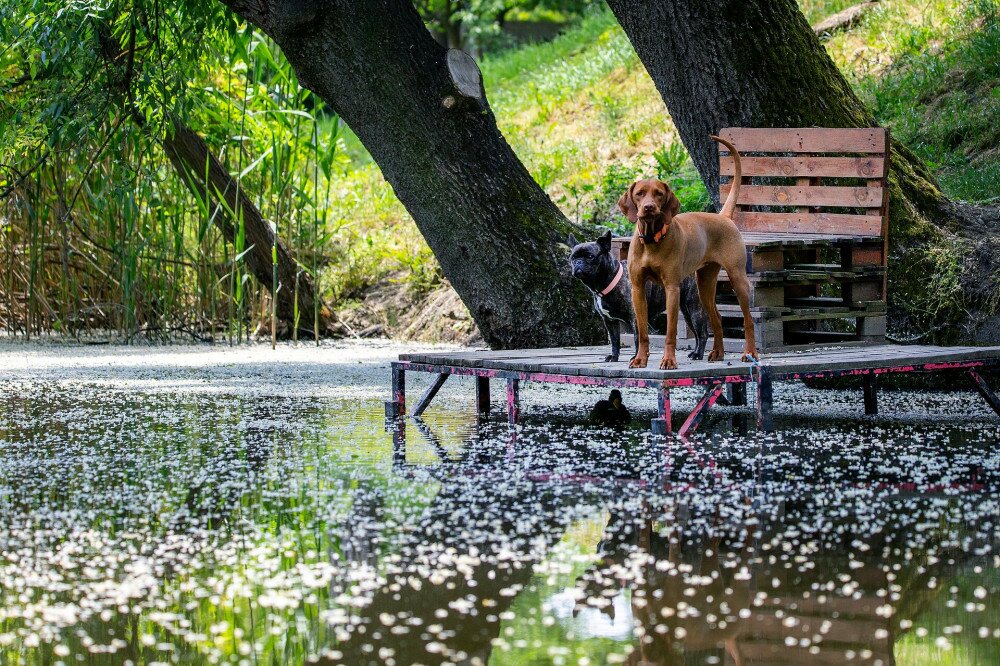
x: 167, y: 525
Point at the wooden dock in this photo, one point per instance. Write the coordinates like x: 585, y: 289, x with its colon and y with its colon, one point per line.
x: 817, y: 270
x: 585, y: 366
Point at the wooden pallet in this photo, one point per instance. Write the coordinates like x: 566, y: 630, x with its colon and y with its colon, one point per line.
x: 813, y: 209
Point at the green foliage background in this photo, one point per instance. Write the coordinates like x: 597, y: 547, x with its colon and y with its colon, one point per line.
x: 100, y: 233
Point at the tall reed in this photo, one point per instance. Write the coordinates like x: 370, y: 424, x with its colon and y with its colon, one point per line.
x: 100, y: 235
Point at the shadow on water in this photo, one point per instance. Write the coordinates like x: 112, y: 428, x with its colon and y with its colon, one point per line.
x: 182, y: 528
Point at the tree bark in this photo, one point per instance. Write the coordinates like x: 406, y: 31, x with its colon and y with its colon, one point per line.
x: 757, y: 63
x: 498, y: 237
x: 189, y: 155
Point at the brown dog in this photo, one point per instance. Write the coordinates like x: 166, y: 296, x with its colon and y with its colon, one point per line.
x: 668, y: 246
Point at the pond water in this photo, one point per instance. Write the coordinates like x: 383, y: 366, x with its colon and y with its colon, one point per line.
x: 247, y: 506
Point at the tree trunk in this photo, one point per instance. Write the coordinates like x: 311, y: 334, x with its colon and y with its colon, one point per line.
x: 451, y: 27
x: 498, y: 237
x: 757, y: 63
x: 189, y: 154
x: 501, y: 16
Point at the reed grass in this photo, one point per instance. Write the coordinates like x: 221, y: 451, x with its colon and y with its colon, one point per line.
x: 104, y: 238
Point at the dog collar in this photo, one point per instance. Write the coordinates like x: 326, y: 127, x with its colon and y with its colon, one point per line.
x: 656, y: 237
x: 614, y: 283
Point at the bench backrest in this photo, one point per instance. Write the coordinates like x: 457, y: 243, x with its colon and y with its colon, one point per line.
x: 809, y: 180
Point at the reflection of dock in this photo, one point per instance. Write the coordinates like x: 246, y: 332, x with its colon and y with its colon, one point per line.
x: 785, y: 629
x: 702, y: 558
x: 699, y: 590
x: 585, y: 366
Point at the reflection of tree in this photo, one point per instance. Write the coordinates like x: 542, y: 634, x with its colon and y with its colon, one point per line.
x: 226, y: 475
x: 458, y: 570
x: 760, y: 590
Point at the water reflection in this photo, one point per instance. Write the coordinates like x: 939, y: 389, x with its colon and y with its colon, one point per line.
x: 751, y: 587
x: 225, y: 528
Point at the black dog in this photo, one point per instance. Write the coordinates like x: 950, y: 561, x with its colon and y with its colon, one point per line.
x: 607, y: 278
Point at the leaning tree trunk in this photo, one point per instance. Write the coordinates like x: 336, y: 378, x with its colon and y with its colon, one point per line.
x: 209, y: 180
x: 421, y: 112
x: 757, y: 63
x: 193, y: 161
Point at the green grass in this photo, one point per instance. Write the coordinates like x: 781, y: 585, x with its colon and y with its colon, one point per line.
x: 585, y: 118
x: 944, y: 103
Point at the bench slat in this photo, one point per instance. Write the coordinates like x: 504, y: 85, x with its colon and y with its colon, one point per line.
x: 806, y: 140
x: 770, y: 195
x: 815, y: 223
x: 814, y: 167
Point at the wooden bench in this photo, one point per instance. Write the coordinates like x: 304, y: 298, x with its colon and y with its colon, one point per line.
x: 813, y: 211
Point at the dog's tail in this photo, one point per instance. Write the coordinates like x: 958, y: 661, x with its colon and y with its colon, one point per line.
x: 734, y: 193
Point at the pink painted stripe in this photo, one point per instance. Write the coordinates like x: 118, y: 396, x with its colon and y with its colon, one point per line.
x: 706, y: 403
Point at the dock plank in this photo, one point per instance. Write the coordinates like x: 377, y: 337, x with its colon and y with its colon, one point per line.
x: 589, y: 361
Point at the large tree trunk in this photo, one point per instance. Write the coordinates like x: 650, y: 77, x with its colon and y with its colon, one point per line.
x: 496, y: 234
x: 757, y: 63
x: 189, y: 154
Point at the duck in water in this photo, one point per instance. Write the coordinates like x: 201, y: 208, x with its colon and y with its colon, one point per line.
x: 611, y: 412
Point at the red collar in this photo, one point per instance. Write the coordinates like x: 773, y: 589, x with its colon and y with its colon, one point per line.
x: 656, y: 237
x: 614, y: 283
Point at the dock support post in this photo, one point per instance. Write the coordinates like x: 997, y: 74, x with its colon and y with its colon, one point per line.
x: 482, y: 398
x: 432, y: 390
x: 712, y: 394
x: 737, y: 394
x: 765, y: 396
x: 984, y: 390
x: 871, y: 394
x: 661, y: 425
x: 396, y: 405
x: 513, y: 400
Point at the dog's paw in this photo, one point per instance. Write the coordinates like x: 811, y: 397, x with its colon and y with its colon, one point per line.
x: 696, y: 355
x: 750, y: 356
x: 716, y: 355
x: 611, y: 358
x: 638, y: 362
x: 668, y: 363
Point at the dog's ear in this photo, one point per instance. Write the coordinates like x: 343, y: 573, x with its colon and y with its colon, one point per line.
x: 673, y: 205
x: 572, y: 241
x: 605, y: 242
x: 627, y: 206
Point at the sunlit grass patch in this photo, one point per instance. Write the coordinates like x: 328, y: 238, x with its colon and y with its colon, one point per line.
x: 944, y: 103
